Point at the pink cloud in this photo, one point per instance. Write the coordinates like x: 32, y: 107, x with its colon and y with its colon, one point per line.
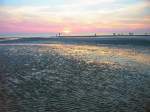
x: 27, y: 26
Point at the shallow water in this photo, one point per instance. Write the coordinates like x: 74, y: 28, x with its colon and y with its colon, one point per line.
x: 74, y: 78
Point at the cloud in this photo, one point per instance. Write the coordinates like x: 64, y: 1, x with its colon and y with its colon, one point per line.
x: 79, y: 15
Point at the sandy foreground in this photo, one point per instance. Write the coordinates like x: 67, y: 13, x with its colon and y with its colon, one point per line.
x: 74, y: 78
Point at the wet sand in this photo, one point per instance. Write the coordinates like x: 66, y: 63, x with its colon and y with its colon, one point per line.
x: 74, y: 78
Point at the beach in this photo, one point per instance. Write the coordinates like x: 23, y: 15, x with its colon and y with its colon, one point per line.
x: 74, y: 75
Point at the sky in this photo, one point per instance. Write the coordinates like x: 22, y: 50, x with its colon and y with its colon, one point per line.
x: 74, y: 16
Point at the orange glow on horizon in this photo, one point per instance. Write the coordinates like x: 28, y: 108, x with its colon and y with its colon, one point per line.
x: 66, y: 31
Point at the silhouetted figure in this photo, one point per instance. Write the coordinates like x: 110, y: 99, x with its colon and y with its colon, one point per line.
x: 59, y: 34
x: 146, y: 34
x: 114, y: 34
x: 131, y: 33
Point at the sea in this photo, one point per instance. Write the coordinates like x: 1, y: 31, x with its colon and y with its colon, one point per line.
x: 75, y: 74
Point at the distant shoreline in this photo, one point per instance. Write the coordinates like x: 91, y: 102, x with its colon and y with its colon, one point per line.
x: 99, y: 35
x: 3, y: 37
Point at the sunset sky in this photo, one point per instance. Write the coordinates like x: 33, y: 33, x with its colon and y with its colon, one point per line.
x: 74, y: 16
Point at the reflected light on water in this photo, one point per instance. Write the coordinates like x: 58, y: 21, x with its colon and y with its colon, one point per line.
x: 100, y: 54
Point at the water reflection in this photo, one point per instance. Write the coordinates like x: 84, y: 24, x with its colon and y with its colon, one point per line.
x: 40, y: 77
x: 101, y: 54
